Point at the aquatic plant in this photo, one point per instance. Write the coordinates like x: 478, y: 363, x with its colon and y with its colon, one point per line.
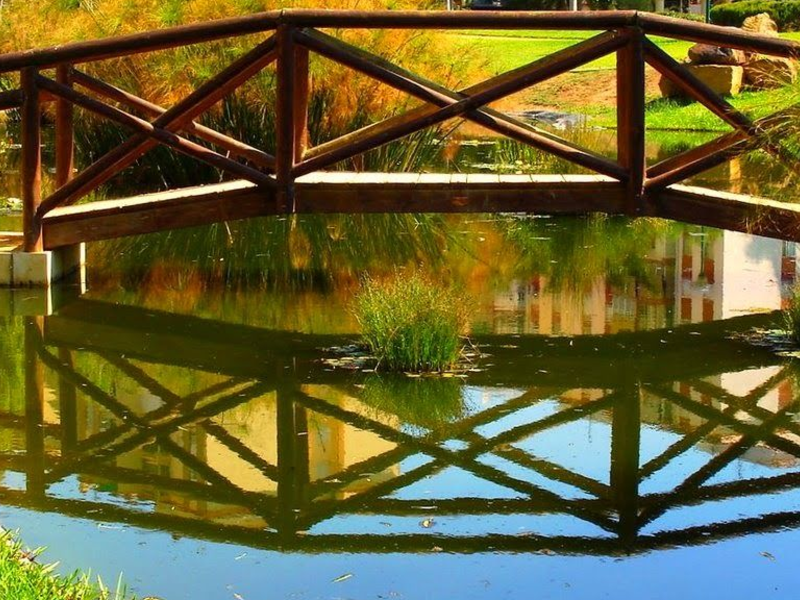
x: 411, y: 323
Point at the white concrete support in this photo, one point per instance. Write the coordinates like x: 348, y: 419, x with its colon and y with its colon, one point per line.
x: 41, y: 269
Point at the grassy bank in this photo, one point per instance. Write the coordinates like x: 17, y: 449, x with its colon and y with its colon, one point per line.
x: 22, y: 577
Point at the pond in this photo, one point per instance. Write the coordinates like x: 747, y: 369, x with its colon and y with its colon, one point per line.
x: 615, y: 438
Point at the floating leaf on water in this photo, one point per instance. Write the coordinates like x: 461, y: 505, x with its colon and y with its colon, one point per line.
x: 344, y: 577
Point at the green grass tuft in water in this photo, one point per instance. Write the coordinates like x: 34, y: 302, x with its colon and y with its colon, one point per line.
x: 791, y: 318
x: 412, y: 323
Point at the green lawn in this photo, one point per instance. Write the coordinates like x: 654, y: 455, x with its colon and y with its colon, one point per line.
x: 22, y: 577
x: 505, y: 50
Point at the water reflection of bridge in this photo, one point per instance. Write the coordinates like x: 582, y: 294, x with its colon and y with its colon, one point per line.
x: 227, y: 432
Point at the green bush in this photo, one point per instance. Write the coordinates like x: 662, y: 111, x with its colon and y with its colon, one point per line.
x: 411, y: 323
x: 785, y: 13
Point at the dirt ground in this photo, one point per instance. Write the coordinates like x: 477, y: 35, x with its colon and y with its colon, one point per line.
x: 571, y: 91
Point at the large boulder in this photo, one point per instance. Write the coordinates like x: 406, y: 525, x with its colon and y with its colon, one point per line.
x: 725, y: 80
x: 761, y: 24
x: 763, y: 71
x: 706, y: 54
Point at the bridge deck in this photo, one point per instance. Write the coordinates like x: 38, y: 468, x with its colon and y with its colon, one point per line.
x: 343, y: 192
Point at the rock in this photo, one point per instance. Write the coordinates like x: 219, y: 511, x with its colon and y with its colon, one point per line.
x: 706, y: 54
x: 761, y: 24
x: 725, y: 80
x: 763, y: 71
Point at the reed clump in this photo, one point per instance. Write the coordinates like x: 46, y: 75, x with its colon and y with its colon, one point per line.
x: 791, y: 318
x: 411, y: 323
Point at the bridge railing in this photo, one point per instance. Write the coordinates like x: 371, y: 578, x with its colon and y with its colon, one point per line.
x: 55, y: 75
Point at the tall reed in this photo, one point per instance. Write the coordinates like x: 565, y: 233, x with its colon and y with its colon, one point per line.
x: 412, y: 323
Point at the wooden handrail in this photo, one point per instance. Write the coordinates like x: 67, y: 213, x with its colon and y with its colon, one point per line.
x: 729, y: 37
x: 173, y: 37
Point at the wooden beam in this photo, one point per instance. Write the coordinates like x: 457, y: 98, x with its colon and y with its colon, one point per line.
x: 335, y: 193
x: 133, y: 102
x: 156, y: 212
x: 631, y: 118
x: 433, y: 93
x: 147, y: 41
x: 302, y: 89
x: 183, y: 112
x: 65, y: 137
x: 727, y: 37
x: 286, y: 142
x: 184, y: 35
x: 31, y: 162
x: 697, y: 89
x: 159, y: 134
x: 694, y: 163
x: 484, y: 93
x: 735, y: 212
x: 173, y: 37
x: 730, y: 142
x: 427, y: 19
x: 11, y: 99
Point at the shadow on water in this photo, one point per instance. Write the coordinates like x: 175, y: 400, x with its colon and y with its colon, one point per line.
x: 595, y: 445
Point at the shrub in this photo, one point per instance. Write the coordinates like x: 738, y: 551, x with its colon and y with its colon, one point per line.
x: 411, y: 323
x: 785, y: 13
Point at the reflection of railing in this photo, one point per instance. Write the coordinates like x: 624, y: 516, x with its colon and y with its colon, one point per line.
x: 617, y: 509
x: 279, y: 181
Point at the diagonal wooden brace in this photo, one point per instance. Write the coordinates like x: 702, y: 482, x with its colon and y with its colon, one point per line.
x: 195, y: 104
x: 133, y: 102
x: 159, y: 135
x: 469, y: 100
x: 429, y: 91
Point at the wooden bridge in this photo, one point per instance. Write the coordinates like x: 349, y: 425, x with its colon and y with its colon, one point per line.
x: 292, y: 177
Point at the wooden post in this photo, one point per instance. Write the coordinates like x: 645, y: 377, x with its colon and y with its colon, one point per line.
x: 302, y: 83
x: 286, y: 127
x: 285, y: 416
x: 34, y: 410
x: 68, y: 405
x: 301, y: 456
x: 65, y: 139
x: 624, y: 477
x: 630, y: 119
x: 31, y: 162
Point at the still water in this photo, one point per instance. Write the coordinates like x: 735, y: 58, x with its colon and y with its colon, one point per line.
x: 615, y: 439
